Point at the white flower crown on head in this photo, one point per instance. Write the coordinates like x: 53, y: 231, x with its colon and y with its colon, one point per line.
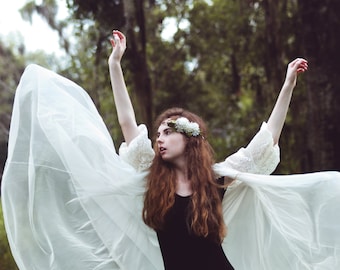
x: 183, y: 125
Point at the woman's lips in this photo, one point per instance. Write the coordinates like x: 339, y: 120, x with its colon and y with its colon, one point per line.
x: 162, y: 150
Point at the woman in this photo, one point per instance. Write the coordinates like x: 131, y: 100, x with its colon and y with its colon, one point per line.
x: 188, y: 215
x: 70, y: 202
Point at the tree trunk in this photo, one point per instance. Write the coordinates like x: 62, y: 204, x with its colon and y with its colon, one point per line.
x: 134, y: 14
x: 274, y: 47
x: 318, y: 27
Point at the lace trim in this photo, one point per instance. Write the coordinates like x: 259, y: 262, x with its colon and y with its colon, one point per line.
x: 260, y: 156
x: 139, y: 153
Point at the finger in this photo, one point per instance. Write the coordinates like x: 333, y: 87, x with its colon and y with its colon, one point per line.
x: 112, y: 42
x: 119, y: 34
x: 301, y: 70
x: 304, y: 65
x: 299, y: 64
x: 121, y: 37
x: 116, y: 38
x: 299, y: 61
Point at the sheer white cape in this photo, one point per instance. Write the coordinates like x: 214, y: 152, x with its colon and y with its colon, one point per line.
x: 71, y: 202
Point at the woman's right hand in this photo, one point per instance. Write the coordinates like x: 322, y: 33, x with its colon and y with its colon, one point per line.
x: 118, y: 42
x: 125, y: 111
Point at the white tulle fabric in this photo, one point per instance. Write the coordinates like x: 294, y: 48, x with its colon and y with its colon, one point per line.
x: 71, y: 202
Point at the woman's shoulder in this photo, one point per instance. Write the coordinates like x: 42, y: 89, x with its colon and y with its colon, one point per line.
x: 139, y: 152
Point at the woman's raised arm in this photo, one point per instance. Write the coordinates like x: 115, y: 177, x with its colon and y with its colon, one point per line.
x: 125, y: 111
x: 278, y: 115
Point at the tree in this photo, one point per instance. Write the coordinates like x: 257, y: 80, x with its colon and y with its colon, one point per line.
x: 10, y: 71
x: 229, y: 59
x: 7, y: 261
x: 319, y: 22
x: 129, y: 17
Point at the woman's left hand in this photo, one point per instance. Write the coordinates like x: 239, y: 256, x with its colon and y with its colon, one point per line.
x: 297, y: 66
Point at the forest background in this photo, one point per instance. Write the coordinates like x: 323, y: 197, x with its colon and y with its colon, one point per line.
x: 226, y: 61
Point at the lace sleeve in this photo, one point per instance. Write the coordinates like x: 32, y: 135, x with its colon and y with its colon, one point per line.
x: 260, y: 156
x: 139, y: 152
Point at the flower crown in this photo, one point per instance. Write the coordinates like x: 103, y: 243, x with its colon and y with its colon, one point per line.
x: 183, y: 125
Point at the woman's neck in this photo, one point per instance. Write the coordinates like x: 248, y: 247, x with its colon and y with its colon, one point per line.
x: 183, y: 184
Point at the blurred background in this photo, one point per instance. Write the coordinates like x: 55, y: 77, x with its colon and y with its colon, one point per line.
x: 222, y: 59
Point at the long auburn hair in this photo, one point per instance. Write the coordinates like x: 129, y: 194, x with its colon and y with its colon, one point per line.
x: 205, y: 207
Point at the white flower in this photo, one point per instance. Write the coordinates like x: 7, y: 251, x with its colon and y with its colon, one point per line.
x: 194, y: 129
x: 183, y: 125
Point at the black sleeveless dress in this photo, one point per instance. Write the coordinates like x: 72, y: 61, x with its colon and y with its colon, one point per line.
x: 184, y: 251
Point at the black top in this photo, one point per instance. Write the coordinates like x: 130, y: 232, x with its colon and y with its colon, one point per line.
x: 182, y: 250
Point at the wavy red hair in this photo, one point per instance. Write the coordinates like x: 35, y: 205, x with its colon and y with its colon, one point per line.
x: 205, y: 205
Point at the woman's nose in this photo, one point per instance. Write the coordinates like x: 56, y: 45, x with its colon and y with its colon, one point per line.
x: 159, y: 139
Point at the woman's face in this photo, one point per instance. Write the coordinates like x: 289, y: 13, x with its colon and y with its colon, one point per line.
x: 171, y: 144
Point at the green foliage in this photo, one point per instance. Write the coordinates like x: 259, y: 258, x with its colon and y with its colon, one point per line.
x: 226, y: 61
x: 6, y: 259
x: 10, y: 71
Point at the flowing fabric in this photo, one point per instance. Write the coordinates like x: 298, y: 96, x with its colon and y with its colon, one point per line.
x: 70, y: 201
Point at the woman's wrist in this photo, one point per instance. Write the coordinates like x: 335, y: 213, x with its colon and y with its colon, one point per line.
x: 288, y: 85
x: 114, y: 64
